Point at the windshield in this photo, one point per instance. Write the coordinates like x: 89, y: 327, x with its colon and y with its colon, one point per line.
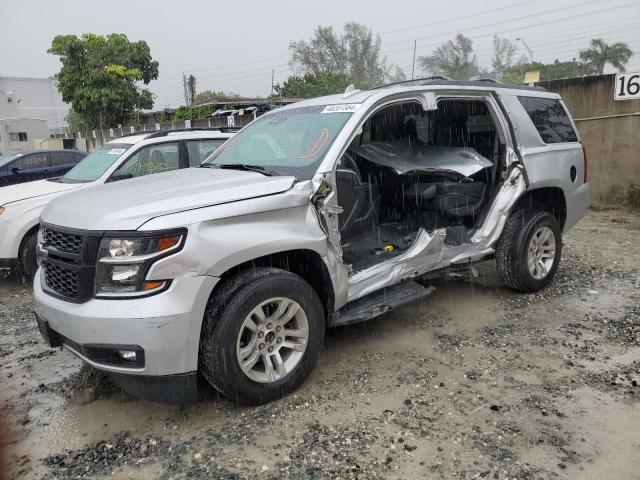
x: 5, y: 160
x: 287, y: 142
x: 93, y: 166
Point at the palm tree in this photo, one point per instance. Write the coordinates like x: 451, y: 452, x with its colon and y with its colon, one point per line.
x: 600, y: 53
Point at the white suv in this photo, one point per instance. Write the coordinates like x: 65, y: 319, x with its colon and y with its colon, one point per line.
x: 122, y: 158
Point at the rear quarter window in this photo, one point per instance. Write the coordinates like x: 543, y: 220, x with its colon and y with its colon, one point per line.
x: 550, y: 119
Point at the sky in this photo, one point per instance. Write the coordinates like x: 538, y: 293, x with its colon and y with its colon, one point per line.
x: 234, y: 46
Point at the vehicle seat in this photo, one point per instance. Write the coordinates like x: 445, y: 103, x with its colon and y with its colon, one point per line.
x: 359, y: 200
x: 459, y: 199
x: 158, y: 161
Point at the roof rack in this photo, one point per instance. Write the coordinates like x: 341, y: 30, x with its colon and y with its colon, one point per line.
x: 164, y: 133
x: 444, y: 80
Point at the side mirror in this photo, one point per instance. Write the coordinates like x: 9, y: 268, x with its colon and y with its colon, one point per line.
x: 16, y: 169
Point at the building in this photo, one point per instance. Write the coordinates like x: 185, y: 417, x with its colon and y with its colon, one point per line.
x: 19, y: 135
x: 35, y: 98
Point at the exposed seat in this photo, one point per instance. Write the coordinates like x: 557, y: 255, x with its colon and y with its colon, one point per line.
x: 459, y: 199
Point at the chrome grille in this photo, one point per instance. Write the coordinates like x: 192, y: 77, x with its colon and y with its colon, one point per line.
x: 60, y: 280
x: 64, y: 242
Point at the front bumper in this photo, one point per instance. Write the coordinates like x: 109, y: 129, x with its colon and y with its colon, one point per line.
x: 165, y: 327
x: 8, y: 263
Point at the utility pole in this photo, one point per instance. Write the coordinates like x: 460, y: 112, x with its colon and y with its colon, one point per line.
x: 527, y: 47
x: 273, y: 72
x: 184, y: 89
x: 413, y: 66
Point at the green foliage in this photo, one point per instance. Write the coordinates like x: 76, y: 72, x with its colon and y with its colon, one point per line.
x: 550, y: 71
x: 600, y: 53
x: 192, y: 113
x: 355, y: 53
x: 99, y: 76
x: 213, y: 96
x: 455, y: 59
x: 309, y: 85
x: 76, y: 122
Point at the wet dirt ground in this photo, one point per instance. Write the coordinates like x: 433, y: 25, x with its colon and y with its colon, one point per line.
x: 473, y: 382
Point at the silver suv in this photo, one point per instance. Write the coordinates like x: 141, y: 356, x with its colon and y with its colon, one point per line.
x: 322, y: 213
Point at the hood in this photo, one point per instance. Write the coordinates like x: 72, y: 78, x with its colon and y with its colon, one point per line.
x: 128, y: 204
x: 39, y: 188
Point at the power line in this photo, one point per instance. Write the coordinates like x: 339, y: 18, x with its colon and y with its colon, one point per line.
x: 441, y: 22
x: 517, y: 19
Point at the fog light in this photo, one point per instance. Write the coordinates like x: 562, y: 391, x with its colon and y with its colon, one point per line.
x: 128, y: 355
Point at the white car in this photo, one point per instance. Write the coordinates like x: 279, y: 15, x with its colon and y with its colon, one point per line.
x: 120, y: 159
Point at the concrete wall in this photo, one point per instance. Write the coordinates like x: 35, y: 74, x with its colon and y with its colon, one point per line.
x: 33, y: 98
x: 610, y: 131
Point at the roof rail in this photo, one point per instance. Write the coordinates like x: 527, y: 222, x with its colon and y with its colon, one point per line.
x: 414, y: 80
x: 444, y: 80
x: 164, y: 133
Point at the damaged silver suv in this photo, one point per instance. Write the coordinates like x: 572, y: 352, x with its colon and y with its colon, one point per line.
x: 322, y: 213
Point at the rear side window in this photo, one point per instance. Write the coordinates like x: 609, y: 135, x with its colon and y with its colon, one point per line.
x: 550, y: 119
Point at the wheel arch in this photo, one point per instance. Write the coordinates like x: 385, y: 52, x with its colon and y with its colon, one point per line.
x: 29, y: 231
x: 548, y: 199
x: 306, y: 263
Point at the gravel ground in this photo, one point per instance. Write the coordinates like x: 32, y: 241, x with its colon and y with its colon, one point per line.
x: 473, y: 382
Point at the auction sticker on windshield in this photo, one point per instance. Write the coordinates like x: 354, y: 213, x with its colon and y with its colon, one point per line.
x: 341, y: 108
x: 116, y: 151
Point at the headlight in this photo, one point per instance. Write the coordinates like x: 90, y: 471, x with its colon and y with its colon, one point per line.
x: 123, y: 264
x: 1, y: 210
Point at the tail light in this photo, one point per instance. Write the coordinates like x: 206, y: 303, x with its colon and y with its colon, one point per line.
x: 584, y: 154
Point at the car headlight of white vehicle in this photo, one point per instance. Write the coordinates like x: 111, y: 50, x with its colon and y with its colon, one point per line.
x: 123, y: 263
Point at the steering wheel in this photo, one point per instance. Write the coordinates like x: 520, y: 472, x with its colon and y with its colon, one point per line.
x: 352, y: 163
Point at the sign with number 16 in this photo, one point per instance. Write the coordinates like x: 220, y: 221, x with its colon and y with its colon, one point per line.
x: 627, y: 86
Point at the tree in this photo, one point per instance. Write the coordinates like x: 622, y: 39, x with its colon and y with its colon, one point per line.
x: 454, y: 59
x: 213, y: 96
x: 100, y: 74
x: 313, y: 85
x: 503, y: 52
x: 191, y: 89
x: 354, y: 53
x: 600, y: 53
x: 193, y: 113
x: 548, y: 71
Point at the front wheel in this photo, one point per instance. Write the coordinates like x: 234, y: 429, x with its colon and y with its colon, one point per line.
x: 262, y: 334
x: 27, y: 261
x: 528, y: 251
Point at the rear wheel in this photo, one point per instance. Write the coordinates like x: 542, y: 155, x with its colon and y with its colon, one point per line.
x: 27, y: 261
x: 262, y: 333
x: 528, y: 251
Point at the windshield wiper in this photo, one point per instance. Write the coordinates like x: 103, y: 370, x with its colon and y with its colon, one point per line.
x: 242, y: 166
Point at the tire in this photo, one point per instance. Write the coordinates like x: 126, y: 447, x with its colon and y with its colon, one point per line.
x: 513, y: 250
x: 226, y: 335
x: 28, y: 263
